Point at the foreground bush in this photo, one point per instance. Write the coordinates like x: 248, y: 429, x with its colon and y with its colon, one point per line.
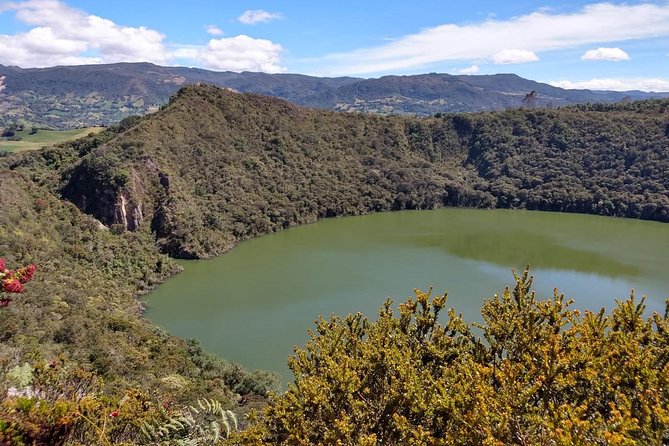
x: 64, y: 405
x: 534, y: 372
x: 541, y: 373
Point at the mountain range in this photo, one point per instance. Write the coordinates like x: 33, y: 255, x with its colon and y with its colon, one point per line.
x: 79, y: 96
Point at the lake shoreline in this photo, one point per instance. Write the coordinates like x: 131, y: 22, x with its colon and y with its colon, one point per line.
x: 270, y: 279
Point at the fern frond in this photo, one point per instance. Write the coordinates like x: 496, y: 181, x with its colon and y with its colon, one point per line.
x: 203, y: 424
x: 232, y: 416
x: 215, y: 431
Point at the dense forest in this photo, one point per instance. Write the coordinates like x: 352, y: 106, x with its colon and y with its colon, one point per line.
x: 215, y: 167
x: 101, y: 216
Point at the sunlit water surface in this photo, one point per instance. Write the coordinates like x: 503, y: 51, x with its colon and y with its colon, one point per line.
x: 253, y: 304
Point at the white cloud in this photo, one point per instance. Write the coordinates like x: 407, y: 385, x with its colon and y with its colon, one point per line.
x: 513, y: 56
x: 240, y: 53
x: 627, y: 84
x: 535, y: 32
x: 214, y: 30
x: 469, y: 70
x: 251, y: 17
x: 603, y: 53
x: 186, y: 51
x: 63, y: 35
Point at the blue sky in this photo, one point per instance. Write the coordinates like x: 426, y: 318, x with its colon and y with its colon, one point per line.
x: 577, y: 44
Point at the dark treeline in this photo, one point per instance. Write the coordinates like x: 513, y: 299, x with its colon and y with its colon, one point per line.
x: 599, y: 159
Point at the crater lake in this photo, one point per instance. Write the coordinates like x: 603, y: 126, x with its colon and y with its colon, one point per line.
x: 255, y: 303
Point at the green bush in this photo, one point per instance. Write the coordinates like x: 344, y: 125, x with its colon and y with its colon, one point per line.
x: 540, y: 374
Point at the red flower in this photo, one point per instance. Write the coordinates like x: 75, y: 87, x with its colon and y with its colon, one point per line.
x: 12, y: 281
x: 26, y: 273
x: 114, y: 413
x: 12, y: 286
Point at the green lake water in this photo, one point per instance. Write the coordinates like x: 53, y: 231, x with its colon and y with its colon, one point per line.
x: 255, y: 303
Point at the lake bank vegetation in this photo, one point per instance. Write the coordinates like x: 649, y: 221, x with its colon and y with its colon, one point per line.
x: 102, y: 216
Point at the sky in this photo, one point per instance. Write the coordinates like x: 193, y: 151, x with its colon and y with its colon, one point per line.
x: 571, y: 44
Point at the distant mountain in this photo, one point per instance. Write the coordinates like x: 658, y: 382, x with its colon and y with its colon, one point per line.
x: 77, y: 96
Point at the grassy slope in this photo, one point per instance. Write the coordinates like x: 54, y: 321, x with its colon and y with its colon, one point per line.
x: 44, y: 138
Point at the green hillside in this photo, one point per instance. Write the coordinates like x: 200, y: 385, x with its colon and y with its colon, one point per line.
x: 81, y: 306
x: 215, y: 167
x: 65, y: 97
x: 100, y: 215
x: 27, y: 139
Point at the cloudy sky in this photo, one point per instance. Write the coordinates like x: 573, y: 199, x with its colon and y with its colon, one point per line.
x: 573, y: 44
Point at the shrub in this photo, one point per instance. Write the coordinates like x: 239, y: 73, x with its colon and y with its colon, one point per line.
x: 11, y: 282
x: 542, y: 374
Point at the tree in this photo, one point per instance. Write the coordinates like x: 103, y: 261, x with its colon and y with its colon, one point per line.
x: 544, y: 375
x: 530, y: 99
x: 9, y: 131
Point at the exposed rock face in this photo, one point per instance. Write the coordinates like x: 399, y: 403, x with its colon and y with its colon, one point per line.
x: 128, y: 213
x: 100, y: 186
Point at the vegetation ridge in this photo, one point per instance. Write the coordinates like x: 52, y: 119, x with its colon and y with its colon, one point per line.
x: 213, y: 167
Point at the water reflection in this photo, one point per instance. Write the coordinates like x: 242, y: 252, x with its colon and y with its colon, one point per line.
x: 255, y: 303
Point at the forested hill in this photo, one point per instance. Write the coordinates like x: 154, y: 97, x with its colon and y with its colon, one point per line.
x: 215, y: 167
x: 82, y: 96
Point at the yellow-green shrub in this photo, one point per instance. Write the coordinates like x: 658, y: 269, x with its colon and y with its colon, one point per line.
x: 541, y: 373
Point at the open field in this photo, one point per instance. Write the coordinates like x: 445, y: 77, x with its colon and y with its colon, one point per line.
x: 43, y: 138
